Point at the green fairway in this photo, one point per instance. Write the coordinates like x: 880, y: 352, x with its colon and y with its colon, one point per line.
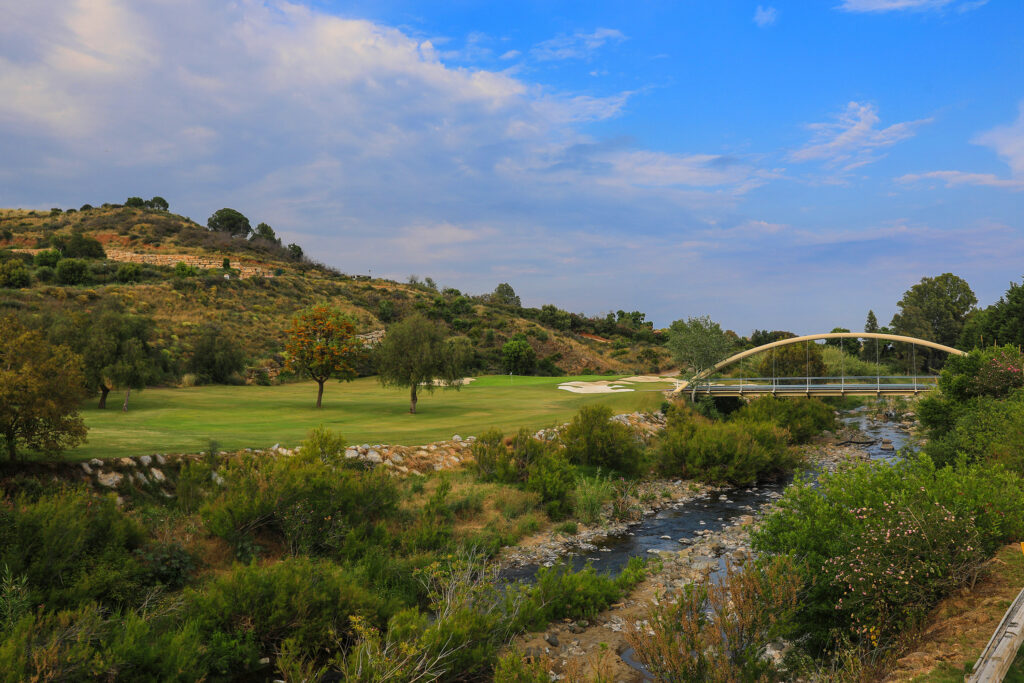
x: 184, y: 420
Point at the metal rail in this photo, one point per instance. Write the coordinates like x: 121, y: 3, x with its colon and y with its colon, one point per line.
x: 998, y: 655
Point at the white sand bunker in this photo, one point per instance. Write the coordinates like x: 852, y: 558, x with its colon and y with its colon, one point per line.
x: 462, y: 382
x: 647, y: 378
x: 599, y: 387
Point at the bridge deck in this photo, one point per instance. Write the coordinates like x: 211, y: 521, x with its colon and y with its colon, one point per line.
x: 817, y: 386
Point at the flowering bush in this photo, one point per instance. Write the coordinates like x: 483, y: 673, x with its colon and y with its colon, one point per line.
x: 878, y: 545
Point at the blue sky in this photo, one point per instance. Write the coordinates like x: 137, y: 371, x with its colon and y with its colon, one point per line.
x: 783, y: 165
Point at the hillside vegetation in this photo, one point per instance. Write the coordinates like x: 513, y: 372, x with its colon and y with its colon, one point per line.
x: 188, y: 277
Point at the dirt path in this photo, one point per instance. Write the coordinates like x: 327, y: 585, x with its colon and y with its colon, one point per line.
x: 961, y: 625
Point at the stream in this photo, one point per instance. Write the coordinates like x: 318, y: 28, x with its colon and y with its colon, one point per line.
x: 684, y: 523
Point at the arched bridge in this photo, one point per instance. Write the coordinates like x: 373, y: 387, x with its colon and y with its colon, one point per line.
x: 844, y: 385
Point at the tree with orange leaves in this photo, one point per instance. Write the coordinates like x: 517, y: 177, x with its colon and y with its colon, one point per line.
x: 322, y: 343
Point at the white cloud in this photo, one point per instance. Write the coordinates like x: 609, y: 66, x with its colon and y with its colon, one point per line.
x: 854, y: 139
x: 576, y: 46
x: 1006, y: 141
x: 765, y: 16
x: 913, y: 5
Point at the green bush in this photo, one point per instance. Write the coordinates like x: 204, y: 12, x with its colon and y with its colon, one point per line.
x: 310, y: 601
x: 983, y: 429
x: 311, y: 507
x: 551, y: 475
x: 86, y: 644
x: 72, y: 271
x: 507, y: 463
x: 128, y: 272
x: 592, y: 438
x: 44, y: 274
x: 879, y: 545
x: 805, y: 418
x: 739, y: 453
x: 589, y: 497
x: 73, y: 547
x: 14, y: 274
x: 563, y: 594
x: 50, y: 257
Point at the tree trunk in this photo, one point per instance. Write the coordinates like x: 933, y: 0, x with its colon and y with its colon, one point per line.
x: 124, y: 406
x: 412, y: 399
x: 320, y: 392
x: 11, y: 452
x: 104, y: 390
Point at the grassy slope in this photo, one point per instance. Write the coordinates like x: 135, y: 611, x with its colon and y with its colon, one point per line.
x: 256, y: 314
x: 183, y: 420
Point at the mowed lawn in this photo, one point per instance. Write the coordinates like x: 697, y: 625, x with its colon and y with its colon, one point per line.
x: 185, y: 420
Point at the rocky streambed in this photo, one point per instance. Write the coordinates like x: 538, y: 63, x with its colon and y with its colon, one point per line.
x: 693, y: 534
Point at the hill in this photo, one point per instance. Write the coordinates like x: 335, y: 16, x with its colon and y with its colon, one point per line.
x: 186, y: 276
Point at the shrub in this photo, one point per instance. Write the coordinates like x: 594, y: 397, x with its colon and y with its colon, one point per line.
x: 592, y: 438
x: 183, y: 270
x: 45, y: 274
x: 85, y: 644
x: 80, y: 246
x: 551, y: 475
x: 865, y: 527
x: 50, y: 257
x: 560, y: 593
x: 589, y: 497
x: 325, y: 445
x: 504, y: 462
x: 717, y: 631
x: 805, y: 418
x: 983, y: 429
x: 167, y: 564
x: 738, y: 453
x: 128, y: 272
x: 306, y: 600
x: 312, y: 508
x: 72, y: 547
x: 72, y: 271
x: 14, y: 274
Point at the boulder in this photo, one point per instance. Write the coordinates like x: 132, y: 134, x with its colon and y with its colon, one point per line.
x: 127, y: 462
x: 109, y: 479
x: 157, y: 475
x: 86, y: 468
x: 96, y: 462
x: 145, y: 460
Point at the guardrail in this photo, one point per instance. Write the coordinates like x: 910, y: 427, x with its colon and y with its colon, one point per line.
x: 1002, y: 648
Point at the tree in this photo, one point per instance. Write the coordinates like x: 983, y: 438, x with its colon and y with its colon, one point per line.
x: 935, y: 309
x: 504, y: 294
x: 322, y: 343
x: 229, y: 221
x: 135, y: 202
x: 115, y: 349
x: 295, y: 251
x: 78, y: 246
x: 698, y: 343
x: 518, y: 357
x: 40, y: 389
x: 72, y: 271
x: 265, y: 232
x: 792, y: 360
x: 216, y: 356
x: 415, y: 353
x: 158, y: 203
x: 849, y: 346
x: 1000, y: 323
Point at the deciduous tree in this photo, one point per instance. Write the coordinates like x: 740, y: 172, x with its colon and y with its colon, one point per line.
x: 322, y: 343
x: 40, y: 388
x: 698, y: 343
x: 115, y: 349
x: 518, y: 356
x: 415, y: 353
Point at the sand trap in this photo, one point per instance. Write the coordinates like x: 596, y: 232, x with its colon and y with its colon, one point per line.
x: 464, y: 381
x: 647, y: 378
x: 599, y: 387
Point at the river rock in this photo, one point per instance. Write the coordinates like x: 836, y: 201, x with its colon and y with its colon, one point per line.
x: 127, y: 462
x: 109, y: 479
x: 351, y: 453
x: 157, y: 475
x: 145, y: 460
x: 86, y: 468
x: 374, y: 457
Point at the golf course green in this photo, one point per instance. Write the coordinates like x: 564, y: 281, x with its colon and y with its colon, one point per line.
x: 184, y: 420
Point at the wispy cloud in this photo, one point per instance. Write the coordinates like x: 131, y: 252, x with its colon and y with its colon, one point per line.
x: 912, y: 5
x: 578, y: 45
x: 854, y: 138
x: 765, y: 16
x: 1006, y: 141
